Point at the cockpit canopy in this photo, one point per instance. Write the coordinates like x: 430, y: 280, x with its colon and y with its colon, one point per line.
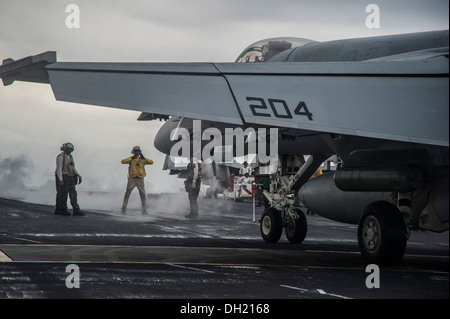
x: 266, y: 49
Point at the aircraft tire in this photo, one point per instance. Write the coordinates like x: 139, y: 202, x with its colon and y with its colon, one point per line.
x: 295, y: 229
x: 382, y: 234
x: 271, y: 225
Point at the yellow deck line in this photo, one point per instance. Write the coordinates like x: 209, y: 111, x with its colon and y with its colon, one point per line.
x: 3, y: 257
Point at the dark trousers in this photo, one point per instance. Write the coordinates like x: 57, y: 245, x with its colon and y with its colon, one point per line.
x: 193, y: 195
x: 67, y: 189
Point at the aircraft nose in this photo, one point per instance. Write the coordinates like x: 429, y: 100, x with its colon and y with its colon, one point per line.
x: 162, y: 139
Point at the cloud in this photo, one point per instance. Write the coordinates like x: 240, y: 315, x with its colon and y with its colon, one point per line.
x: 13, y: 173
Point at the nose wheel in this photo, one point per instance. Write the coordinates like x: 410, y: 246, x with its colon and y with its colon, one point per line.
x: 271, y: 225
x: 296, y: 227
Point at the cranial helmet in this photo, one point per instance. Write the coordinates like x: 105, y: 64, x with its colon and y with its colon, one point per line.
x: 135, y: 148
x: 67, y: 146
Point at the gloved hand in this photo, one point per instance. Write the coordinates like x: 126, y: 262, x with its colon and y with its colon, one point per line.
x: 194, y: 184
x: 80, y: 179
x: 142, y: 155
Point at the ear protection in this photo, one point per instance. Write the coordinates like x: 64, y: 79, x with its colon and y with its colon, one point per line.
x: 67, y: 145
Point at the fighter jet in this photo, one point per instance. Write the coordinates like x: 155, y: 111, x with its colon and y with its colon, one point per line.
x: 380, y: 104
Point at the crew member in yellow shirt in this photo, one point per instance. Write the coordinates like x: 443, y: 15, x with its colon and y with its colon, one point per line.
x: 136, y: 174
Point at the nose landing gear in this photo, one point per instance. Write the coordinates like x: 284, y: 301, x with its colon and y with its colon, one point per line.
x: 293, y: 221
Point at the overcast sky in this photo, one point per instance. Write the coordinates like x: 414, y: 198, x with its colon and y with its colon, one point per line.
x: 33, y: 125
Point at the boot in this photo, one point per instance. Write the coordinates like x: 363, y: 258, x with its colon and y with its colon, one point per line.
x: 62, y: 212
x: 78, y: 213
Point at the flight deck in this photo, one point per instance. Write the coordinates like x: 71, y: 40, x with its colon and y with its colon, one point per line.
x: 220, y: 255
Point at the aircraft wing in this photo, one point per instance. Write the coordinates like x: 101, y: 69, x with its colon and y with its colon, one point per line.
x: 402, y: 100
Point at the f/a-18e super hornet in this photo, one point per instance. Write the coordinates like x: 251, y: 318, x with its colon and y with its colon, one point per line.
x: 381, y: 104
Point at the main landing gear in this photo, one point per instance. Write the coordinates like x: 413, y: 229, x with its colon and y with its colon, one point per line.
x: 382, y: 234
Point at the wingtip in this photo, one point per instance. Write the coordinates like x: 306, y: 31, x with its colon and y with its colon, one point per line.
x: 29, y: 69
x: 7, y: 81
x: 7, y: 61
